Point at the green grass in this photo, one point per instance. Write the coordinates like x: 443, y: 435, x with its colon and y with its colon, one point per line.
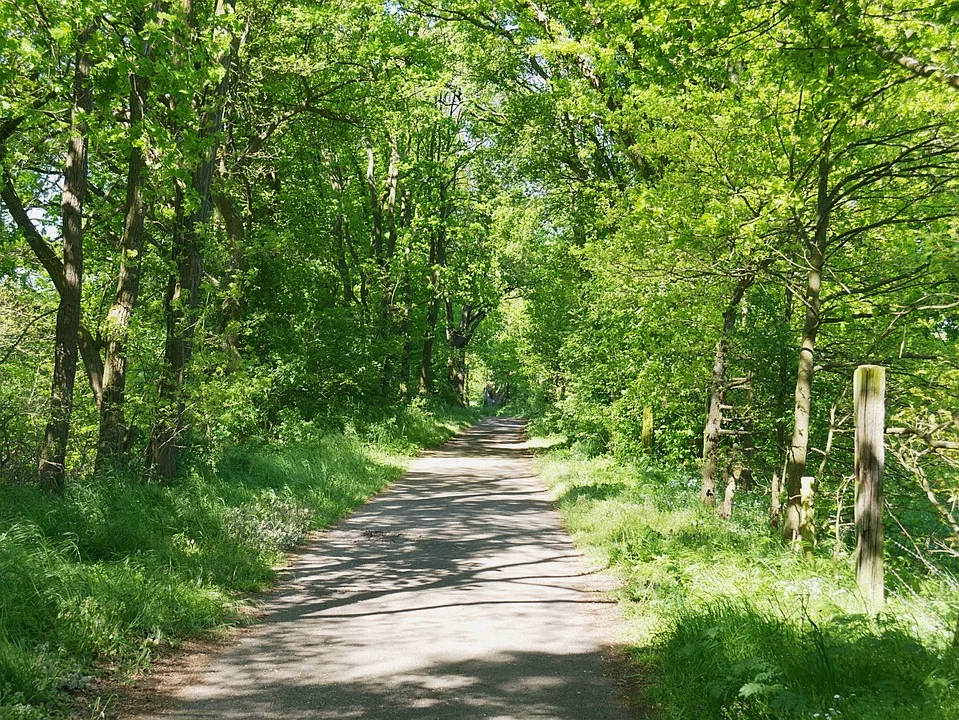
x: 98, y: 580
x: 726, y: 623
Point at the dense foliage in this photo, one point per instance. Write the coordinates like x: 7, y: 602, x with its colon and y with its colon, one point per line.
x: 672, y: 230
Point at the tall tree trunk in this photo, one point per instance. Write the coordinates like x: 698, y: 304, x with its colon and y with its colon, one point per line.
x: 405, y: 328
x: 407, y: 314
x: 797, y: 521
x: 717, y: 385
x: 648, y: 436
x: 113, y: 440
x: 180, y: 308
x: 782, y: 392
x: 392, y: 183
x: 745, y: 478
x: 54, y: 450
x: 458, y: 336
x: 231, y: 307
x: 346, y: 249
x: 774, y: 505
x: 376, y: 210
x: 182, y: 297
x: 455, y: 372
x: 339, y: 234
x: 437, y: 262
x: 384, y: 247
x: 726, y: 507
x: 429, y: 337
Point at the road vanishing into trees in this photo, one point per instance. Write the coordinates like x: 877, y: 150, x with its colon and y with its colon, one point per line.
x: 454, y: 594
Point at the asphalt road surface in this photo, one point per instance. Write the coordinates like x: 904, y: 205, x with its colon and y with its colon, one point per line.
x: 454, y: 595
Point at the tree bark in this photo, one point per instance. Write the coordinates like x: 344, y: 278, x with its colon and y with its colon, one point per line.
x: 405, y: 328
x: 916, y: 66
x: 648, y: 432
x: 180, y: 308
x: 797, y: 524
x: 339, y: 235
x: 231, y: 307
x: 726, y: 508
x: 458, y: 336
x: 774, y: 505
x: 429, y: 337
x: 437, y: 262
x: 113, y: 437
x: 376, y: 210
x: 383, y: 216
x: 782, y: 391
x: 53, y: 453
x: 717, y: 384
x: 181, y: 301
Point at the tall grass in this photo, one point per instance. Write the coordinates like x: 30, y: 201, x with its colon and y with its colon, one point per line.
x: 727, y: 623
x: 119, y: 567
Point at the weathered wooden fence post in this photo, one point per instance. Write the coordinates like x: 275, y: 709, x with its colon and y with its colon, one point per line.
x: 869, y: 399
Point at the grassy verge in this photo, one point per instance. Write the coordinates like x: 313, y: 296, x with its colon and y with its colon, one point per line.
x: 117, y: 568
x: 730, y: 625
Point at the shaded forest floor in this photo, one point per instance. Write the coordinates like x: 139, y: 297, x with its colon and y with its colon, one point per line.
x: 726, y: 623
x: 100, y: 581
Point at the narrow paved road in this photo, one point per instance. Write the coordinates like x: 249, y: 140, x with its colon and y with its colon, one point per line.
x: 454, y: 595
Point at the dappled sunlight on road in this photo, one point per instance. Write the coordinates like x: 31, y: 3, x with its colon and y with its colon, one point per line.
x: 455, y: 594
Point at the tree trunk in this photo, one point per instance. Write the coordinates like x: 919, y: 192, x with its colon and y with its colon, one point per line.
x: 774, y: 505
x: 113, y: 437
x: 429, y: 338
x: 782, y: 392
x: 339, y: 235
x: 392, y: 182
x: 384, y: 245
x: 387, y: 302
x: 649, y: 432
x: 744, y: 478
x: 797, y: 525
x: 54, y: 450
x: 231, y: 308
x: 405, y: 328
x: 456, y: 373
x: 437, y: 262
x: 182, y: 297
x: 455, y: 354
x: 717, y: 384
x: 458, y: 336
x: 376, y: 213
x: 726, y: 509
x: 180, y: 308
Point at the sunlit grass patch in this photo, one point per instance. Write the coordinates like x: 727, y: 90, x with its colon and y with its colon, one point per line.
x: 731, y: 624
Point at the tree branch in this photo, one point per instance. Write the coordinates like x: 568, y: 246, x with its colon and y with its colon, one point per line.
x: 917, y: 67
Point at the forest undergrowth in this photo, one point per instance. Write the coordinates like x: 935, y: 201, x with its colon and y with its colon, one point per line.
x: 94, y: 583
x: 725, y: 622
